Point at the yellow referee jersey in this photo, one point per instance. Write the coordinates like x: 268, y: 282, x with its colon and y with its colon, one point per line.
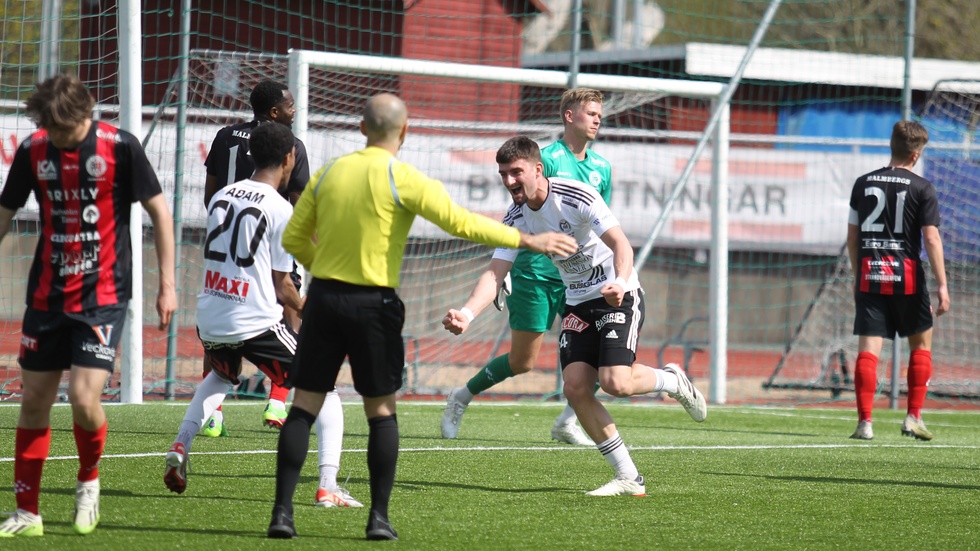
x: 360, y: 208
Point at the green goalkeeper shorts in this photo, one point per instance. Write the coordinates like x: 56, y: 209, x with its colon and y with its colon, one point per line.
x: 533, y: 304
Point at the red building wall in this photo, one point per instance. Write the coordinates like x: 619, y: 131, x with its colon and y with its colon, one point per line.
x: 371, y: 27
x: 486, y: 34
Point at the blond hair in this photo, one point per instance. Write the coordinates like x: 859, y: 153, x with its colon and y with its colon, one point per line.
x: 578, y: 96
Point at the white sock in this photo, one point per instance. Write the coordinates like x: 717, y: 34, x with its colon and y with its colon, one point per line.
x: 567, y: 415
x: 464, y: 395
x: 330, y: 432
x: 616, y: 454
x: 188, y: 430
x: 666, y: 381
x: 328, y: 476
x: 207, y: 398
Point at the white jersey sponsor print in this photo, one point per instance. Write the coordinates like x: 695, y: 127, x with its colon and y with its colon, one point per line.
x: 242, y: 247
x: 575, y: 209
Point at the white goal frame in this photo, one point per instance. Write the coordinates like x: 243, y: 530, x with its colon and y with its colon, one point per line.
x: 300, y: 62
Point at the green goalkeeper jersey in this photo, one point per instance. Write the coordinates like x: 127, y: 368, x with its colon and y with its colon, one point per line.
x: 559, y: 161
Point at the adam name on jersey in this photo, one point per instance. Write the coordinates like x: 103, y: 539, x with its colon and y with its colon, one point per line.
x: 244, y: 195
x: 220, y: 286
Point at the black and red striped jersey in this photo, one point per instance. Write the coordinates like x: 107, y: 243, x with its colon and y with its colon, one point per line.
x: 85, y: 196
x: 890, y: 206
x: 229, y: 160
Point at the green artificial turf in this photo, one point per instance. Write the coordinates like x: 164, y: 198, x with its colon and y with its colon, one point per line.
x: 746, y: 478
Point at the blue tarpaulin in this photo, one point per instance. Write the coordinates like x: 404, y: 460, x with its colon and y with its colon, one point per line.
x: 957, y: 184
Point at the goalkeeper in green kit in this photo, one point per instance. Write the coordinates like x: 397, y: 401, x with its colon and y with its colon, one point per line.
x: 538, y: 294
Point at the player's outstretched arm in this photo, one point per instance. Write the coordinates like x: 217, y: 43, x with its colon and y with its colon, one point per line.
x: 163, y: 235
x: 486, y: 289
x: 549, y: 243
x: 934, y: 248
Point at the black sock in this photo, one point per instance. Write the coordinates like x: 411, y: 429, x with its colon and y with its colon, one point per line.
x: 294, y: 443
x: 382, y: 457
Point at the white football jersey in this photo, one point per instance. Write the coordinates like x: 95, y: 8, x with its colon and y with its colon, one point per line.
x: 575, y: 209
x: 243, y: 246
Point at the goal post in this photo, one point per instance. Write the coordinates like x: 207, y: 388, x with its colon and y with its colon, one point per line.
x: 131, y: 120
x: 300, y: 62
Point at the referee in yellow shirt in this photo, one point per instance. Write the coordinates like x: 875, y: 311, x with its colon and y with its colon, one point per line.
x: 360, y: 207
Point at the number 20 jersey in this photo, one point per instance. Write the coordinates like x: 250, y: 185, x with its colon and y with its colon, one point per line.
x: 890, y: 206
x: 242, y: 247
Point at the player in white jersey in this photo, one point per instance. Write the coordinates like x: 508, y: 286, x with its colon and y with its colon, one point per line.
x: 246, y: 270
x: 604, y: 304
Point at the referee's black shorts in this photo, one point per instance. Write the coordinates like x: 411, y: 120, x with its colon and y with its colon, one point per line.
x: 364, y: 324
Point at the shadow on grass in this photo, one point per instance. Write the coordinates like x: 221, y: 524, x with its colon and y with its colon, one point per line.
x: 71, y: 492
x: 428, y: 437
x: 205, y: 531
x: 861, y: 481
x: 702, y: 428
x: 420, y: 485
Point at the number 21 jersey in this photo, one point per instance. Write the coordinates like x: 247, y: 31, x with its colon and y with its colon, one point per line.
x: 890, y: 206
x: 242, y: 248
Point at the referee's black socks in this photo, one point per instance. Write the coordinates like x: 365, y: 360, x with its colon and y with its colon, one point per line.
x: 294, y: 443
x: 382, y: 457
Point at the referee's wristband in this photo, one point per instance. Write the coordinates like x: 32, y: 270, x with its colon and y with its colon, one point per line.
x: 621, y: 282
x: 467, y: 313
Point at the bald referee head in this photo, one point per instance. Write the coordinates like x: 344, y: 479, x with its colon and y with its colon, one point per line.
x: 385, y: 122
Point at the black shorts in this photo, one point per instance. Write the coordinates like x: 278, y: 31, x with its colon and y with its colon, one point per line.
x: 272, y: 352
x: 884, y: 315
x: 601, y: 335
x: 55, y: 341
x: 364, y: 324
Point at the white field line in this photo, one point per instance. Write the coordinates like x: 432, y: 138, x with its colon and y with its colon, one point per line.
x: 839, y: 414
x: 928, y: 416
x: 802, y: 411
x: 760, y: 447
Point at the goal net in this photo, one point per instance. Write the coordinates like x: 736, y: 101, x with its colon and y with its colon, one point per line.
x: 459, y: 115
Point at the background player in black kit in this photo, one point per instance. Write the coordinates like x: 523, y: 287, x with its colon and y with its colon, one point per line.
x: 228, y: 159
x: 229, y: 162
x: 892, y: 211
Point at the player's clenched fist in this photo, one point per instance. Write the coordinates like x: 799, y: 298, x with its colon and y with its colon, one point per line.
x: 455, y: 322
x: 613, y: 293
